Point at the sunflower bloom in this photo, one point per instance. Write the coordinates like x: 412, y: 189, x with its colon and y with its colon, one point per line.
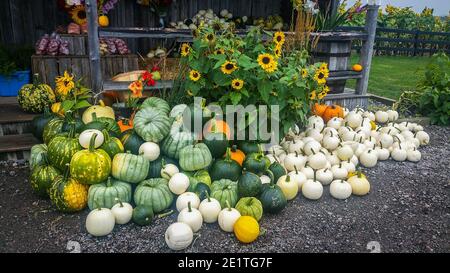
x: 324, y: 66
x: 278, y: 50
x: 279, y: 38
x: 194, y: 75
x: 219, y: 51
x: 210, y: 38
x: 136, y: 88
x: 237, y: 84
x: 312, y: 96
x: 321, y: 76
x: 304, y: 73
x: 64, y: 84
x: 185, y: 49
x: 321, y: 95
x: 228, y: 67
x: 267, y: 62
x: 78, y: 15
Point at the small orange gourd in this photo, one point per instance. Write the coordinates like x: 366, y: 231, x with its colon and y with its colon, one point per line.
x: 237, y: 155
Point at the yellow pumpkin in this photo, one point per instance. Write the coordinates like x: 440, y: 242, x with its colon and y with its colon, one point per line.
x: 360, y: 185
x: 103, y: 21
x: 246, y: 229
x: 100, y: 110
x: 57, y: 109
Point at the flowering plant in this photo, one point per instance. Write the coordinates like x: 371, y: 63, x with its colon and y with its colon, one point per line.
x: 254, y: 69
x: 147, y: 78
x: 71, y: 95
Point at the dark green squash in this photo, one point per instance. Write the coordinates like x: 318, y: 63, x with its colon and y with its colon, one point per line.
x: 225, y: 168
x: 272, y: 198
x: 103, y: 123
x: 142, y: 215
x: 111, y: 145
x: 256, y: 163
x: 216, y: 141
x: 38, y: 123
x: 249, y: 147
x: 249, y: 185
x: 202, y: 190
x: 131, y: 141
x: 52, y: 128
x: 154, y: 170
x: 278, y: 170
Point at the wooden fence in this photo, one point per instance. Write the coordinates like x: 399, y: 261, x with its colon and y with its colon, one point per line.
x: 389, y: 41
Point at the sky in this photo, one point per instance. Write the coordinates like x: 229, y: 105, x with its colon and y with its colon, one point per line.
x: 441, y: 7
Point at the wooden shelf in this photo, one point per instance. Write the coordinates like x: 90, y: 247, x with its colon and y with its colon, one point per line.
x: 12, y: 113
x: 14, y: 143
x: 344, y: 75
x: 123, y: 86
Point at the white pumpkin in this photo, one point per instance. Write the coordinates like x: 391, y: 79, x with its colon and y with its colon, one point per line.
x: 354, y: 160
x: 369, y: 158
x: 298, y: 177
x: 308, y: 172
x: 179, y: 183
x: 418, y: 128
x: 288, y: 187
x: 369, y: 115
x: 335, y: 122
x: 340, y: 189
x: 349, y: 136
x: 381, y: 116
x: 332, y: 158
x: 344, y: 129
x: 344, y: 152
x: 330, y: 142
x: 339, y: 172
x: 185, y: 198
x: 314, y: 133
x: 149, y: 150
x: 392, y: 115
x: 324, y: 176
x: 276, y: 150
x: 85, y: 138
x: 360, y: 149
x: 178, y: 236
x: 316, y: 122
x: 294, y: 160
x: 192, y: 217
x: 407, y: 134
x: 330, y: 131
x: 413, y: 155
x: 311, y: 147
x: 227, y: 218
x: 399, y: 154
x: 382, y: 153
x: 385, y: 140
x: 169, y: 170
x: 349, y: 166
x: 265, y: 179
x: 317, y: 161
x: 353, y: 119
x: 423, y: 137
x: 360, y: 184
x: 210, y: 209
x: 122, y: 212
x: 100, y: 222
x: 312, y: 189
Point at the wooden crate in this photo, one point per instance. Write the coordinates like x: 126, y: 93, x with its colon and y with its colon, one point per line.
x: 78, y: 43
x: 48, y: 67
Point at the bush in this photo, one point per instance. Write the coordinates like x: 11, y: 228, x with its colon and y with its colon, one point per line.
x: 14, y: 58
x: 432, y: 97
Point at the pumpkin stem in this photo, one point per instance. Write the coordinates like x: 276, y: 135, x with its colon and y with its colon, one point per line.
x: 163, y: 162
x: 213, y: 125
x: 35, y: 79
x: 94, y: 116
x: 228, y: 205
x: 228, y: 154
x: 296, y: 153
x: 296, y: 170
x: 66, y: 172
x: 189, y: 206
x: 271, y: 176
x: 233, y: 148
x: 165, y: 214
x: 288, y: 178
x: 314, y: 175
x: 92, y: 142
x: 106, y: 135
x: 207, y: 196
x: 97, y: 205
x: 120, y: 202
x: 109, y: 182
x: 101, y: 103
x: 166, y: 173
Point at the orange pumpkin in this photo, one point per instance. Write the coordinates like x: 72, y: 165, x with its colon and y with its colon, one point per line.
x: 125, y: 124
x: 319, y: 109
x: 220, y: 126
x: 357, y: 67
x: 103, y: 21
x: 237, y: 155
x: 332, y: 111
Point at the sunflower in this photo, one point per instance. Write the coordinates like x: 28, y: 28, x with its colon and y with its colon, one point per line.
x: 278, y: 50
x: 321, y: 95
x: 321, y: 76
x: 237, y: 84
x: 210, y: 38
x: 304, y: 73
x: 279, y: 38
x: 267, y: 62
x: 219, y: 51
x: 194, y: 75
x: 185, y: 49
x: 228, y: 67
x: 312, y: 96
x: 64, y: 84
x: 323, y: 66
x: 78, y: 15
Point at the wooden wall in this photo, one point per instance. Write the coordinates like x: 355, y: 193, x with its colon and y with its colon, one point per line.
x: 25, y: 21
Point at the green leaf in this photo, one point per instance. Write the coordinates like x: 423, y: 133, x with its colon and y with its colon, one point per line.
x: 246, y: 62
x: 235, y: 97
x: 82, y: 104
x: 221, y: 79
x: 264, y: 88
x: 67, y: 105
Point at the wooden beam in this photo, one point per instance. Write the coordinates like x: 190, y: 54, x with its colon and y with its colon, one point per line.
x: 367, y: 49
x: 94, y: 45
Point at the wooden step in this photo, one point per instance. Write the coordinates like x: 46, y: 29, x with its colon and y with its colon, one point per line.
x: 12, y: 113
x: 15, y: 143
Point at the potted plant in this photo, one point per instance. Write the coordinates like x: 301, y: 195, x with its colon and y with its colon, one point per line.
x: 14, y: 69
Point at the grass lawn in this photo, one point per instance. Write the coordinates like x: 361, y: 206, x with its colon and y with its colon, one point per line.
x: 391, y: 75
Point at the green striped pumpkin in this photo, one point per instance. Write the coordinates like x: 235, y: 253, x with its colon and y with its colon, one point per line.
x: 250, y: 206
x: 62, y: 148
x: 37, y: 155
x: 111, y: 145
x: 67, y: 194
x: 42, y: 177
x: 90, y: 166
x: 151, y: 124
x: 129, y: 167
x: 225, y: 190
x: 195, y: 157
x: 156, y: 103
x: 176, y: 140
x: 154, y: 193
x: 109, y: 193
x: 51, y: 129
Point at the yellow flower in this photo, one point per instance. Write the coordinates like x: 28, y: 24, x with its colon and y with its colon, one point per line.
x: 312, y: 96
x: 278, y: 50
x: 136, y: 88
x: 321, y: 95
x: 304, y: 73
x: 194, y: 75
x: 228, y: 67
x: 210, y: 38
x: 321, y: 76
x: 324, y: 66
x: 185, y: 49
x: 78, y: 15
x: 64, y: 84
x: 279, y: 38
x: 326, y: 89
x: 219, y: 51
x: 267, y: 62
x: 237, y: 84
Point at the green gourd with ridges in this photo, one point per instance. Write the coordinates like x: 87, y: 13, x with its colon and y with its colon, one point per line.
x: 109, y: 193
x: 195, y: 157
x: 142, y: 215
x: 216, y: 141
x: 35, y: 97
x: 129, y: 168
x: 90, y: 166
x: 225, y: 190
x: 67, y: 194
x: 51, y: 129
x: 62, y: 148
x: 272, y: 198
x: 277, y: 169
x: 156, y: 103
x: 256, y: 163
x: 154, y: 168
x: 250, y: 206
x: 38, y: 123
x: 131, y: 141
x: 202, y: 190
x: 42, y: 177
x: 37, y: 155
x: 249, y: 185
x: 225, y: 168
x: 103, y: 123
x: 111, y: 145
x: 154, y: 193
x: 200, y: 176
x: 151, y: 124
x: 249, y: 147
x: 176, y: 140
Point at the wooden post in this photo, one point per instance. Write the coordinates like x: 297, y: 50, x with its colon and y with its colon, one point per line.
x: 416, y: 43
x: 367, y: 49
x: 94, y: 45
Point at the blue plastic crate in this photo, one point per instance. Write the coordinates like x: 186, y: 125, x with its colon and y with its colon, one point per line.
x: 10, y: 85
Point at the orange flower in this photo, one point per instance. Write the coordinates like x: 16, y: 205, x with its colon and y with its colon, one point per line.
x: 136, y: 88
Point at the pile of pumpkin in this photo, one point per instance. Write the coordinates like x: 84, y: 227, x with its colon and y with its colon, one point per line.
x: 154, y: 163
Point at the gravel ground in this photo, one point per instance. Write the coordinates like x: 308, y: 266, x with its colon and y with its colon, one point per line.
x: 407, y: 210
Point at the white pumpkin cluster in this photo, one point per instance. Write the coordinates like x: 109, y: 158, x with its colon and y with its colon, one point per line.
x: 205, y: 18
x: 101, y: 221
x: 326, y: 153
